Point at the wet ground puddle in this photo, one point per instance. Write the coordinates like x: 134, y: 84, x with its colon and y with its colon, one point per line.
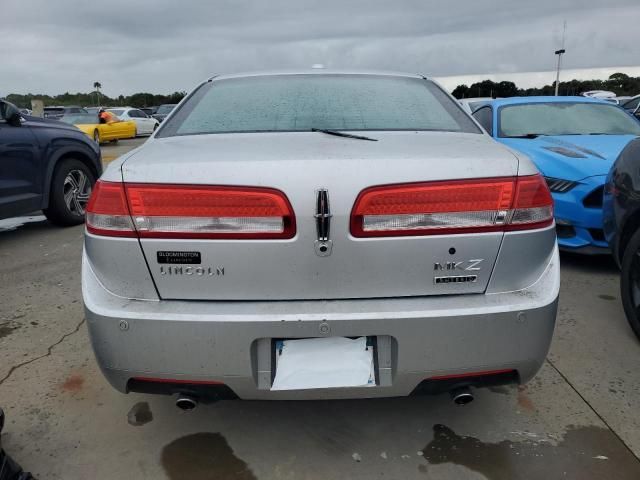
x: 203, y: 456
x: 583, y: 453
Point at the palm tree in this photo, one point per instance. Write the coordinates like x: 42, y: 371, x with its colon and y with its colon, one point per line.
x: 97, y: 86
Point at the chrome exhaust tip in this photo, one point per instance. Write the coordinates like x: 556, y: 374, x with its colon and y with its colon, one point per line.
x: 186, y: 402
x: 462, y: 395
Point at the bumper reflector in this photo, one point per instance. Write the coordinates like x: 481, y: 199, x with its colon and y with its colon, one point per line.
x: 471, y: 374
x: 173, y: 380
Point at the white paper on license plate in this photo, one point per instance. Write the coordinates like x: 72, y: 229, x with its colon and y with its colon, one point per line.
x: 324, y: 363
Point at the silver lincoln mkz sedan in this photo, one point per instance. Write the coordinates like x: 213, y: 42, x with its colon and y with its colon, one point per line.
x: 315, y: 235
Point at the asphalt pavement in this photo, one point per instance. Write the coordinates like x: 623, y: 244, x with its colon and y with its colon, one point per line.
x: 578, y: 419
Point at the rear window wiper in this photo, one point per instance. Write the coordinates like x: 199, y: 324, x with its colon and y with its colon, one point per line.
x: 343, y: 134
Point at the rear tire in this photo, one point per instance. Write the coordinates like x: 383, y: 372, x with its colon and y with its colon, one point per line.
x: 630, y: 282
x: 96, y: 136
x: 71, y: 188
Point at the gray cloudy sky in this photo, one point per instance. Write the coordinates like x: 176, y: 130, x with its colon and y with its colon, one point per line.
x: 166, y: 45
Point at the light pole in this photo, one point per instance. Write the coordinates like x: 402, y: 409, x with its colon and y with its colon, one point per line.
x: 559, y: 53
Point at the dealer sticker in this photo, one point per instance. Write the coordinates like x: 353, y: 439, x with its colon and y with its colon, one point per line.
x: 184, y: 258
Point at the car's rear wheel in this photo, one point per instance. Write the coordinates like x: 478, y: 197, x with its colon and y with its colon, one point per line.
x: 71, y: 188
x: 630, y: 282
x: 96, y: 136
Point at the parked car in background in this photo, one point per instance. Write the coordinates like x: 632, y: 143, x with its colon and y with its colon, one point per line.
x: 606, y: 96
x: 90, y: 124
x: 163, y: 111
x: 57, y: 112
x: 622, y: 226
x: 145, y: 125
x: 573, y: 141
x: 632, y: 106
x: 45, y: 165
x: 620, y: 100
x: 149, y: 110
x: 599, y: 94
x: 362, y: 214
x: 471, y: 104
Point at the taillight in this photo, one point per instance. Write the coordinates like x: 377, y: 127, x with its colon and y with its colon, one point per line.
x: 107, y: 211
x: 458, y: 206
x: 194, y: 211
x: 533, y: 205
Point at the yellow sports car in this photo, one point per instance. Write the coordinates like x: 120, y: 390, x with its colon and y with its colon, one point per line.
x: 90, y: 124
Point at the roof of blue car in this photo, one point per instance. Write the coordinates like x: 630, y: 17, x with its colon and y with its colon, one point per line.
x: 548, y: 99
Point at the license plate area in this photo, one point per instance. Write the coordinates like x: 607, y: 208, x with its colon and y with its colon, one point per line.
x: 326, y: 362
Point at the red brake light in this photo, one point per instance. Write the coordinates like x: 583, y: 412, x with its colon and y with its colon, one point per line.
x: 459, y: 206
x: 176, y: 380
x: 472, y: 374
x: 533, y: 206
x: 107, y: 211
x: 201, y: 211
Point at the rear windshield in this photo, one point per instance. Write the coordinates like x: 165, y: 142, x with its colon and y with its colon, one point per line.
x: 566, y: 118
x: 476, y: 105
x: 631, y: 104
x: 165, y: 109
x: 117, y: 112
x: 298, y: 103
x: 80, y: 118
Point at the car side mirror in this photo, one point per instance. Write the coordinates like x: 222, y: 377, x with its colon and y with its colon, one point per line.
x: 10, y: 114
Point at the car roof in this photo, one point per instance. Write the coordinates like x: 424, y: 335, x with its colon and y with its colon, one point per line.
x: 546, y: 99
x: 316, y: 71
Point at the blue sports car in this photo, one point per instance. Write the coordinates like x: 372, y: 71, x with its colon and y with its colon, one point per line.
x: 573, y: 141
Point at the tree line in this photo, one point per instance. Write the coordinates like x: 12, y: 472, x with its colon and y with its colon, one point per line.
x: 96, y: 98
x: 618, y: 83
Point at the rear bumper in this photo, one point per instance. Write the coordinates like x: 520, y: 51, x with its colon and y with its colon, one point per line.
x: 587, y: 250
x: 425, y: 337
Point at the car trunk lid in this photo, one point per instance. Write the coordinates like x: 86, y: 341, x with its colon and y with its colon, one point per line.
x: 301, y: 165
